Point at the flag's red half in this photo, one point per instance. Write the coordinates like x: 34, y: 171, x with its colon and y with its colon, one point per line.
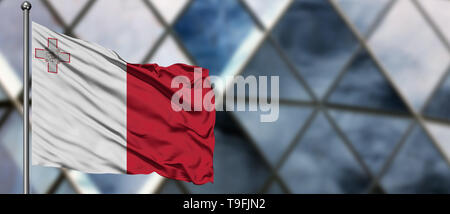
x: 176, y: 145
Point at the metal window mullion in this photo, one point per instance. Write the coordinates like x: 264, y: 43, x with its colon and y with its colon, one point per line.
x: 287, y: 152
x: 79, y: 17
x: 169, y: 27
x: 305, y: 84
x: 55, y: 14
x: 253, y: 144
x: 266, y: 31
x: 155, y: 47
x: 387, y: 76
x: 350, y: 146
x: 435, y: 90
x: 273, y: 173
x: 56, y: 183
x: 5, y: 117
x: 441, y: 121
x: 431, y: 23
x: 373, y: 27
x: 387, y: 163
x: 267, y: 36
x: 429, y: 20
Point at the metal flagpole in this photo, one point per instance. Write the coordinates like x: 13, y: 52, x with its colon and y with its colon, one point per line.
x: 26, y: 7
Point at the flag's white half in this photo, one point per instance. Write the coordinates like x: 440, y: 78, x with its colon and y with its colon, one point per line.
x: 72, y: 126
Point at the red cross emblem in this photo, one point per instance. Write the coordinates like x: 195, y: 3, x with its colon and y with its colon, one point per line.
x: 52, y: 55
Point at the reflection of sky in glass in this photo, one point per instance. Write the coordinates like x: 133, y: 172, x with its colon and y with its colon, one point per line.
x: 169, y: 9
x: 10, y: 176
x: 212, y: 30
x: 439, y: 106
x: 267, y: 10
x: 274, y: 138
x: 418, y: 168
x: 411, y: 52
x: 316, y: 40
x: 362, y: 12
x: 123, y: 26
x: 321, y: 163
x: 220, y: 36
x: 438, y: 10
x: 363, y: 85
x: 442, y: 133
x: 373, y: 137
x: 268, y: 63
x: 68, y: 9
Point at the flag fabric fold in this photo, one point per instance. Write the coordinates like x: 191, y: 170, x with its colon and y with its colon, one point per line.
x: 94, y: 112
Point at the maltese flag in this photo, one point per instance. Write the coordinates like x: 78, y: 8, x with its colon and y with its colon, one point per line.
x: 94, y: 112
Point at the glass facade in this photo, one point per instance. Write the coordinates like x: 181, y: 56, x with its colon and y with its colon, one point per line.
x: 364, y: 90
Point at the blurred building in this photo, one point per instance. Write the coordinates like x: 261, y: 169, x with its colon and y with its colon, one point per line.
x: 364, y: 90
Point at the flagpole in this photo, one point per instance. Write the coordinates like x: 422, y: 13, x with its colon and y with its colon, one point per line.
x: 26, y: 7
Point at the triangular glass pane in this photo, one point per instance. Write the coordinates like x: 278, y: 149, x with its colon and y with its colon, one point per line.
x: 373, y: 137
x: 363, y: 85
x: 415, y: 59
x: 42, y: 178
x: 322, y: 163
x: 131, y: 44
x: 274, y: 138
x: 438, y: 10
x: 439, y: 106
x: 214, y: 32
x: 169, y: 53
x: 267, y: 62
x: 418, y: 168
x: 316, y: 40
x: 169, y: 9
x: 68, y: 10
x: 267, y: 10
x: 441, y: 133
x: 170, y: 187
x: 237, y: 166
x: 362, y: 13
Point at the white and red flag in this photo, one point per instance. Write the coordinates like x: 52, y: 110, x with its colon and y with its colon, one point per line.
x: 96, y: 113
